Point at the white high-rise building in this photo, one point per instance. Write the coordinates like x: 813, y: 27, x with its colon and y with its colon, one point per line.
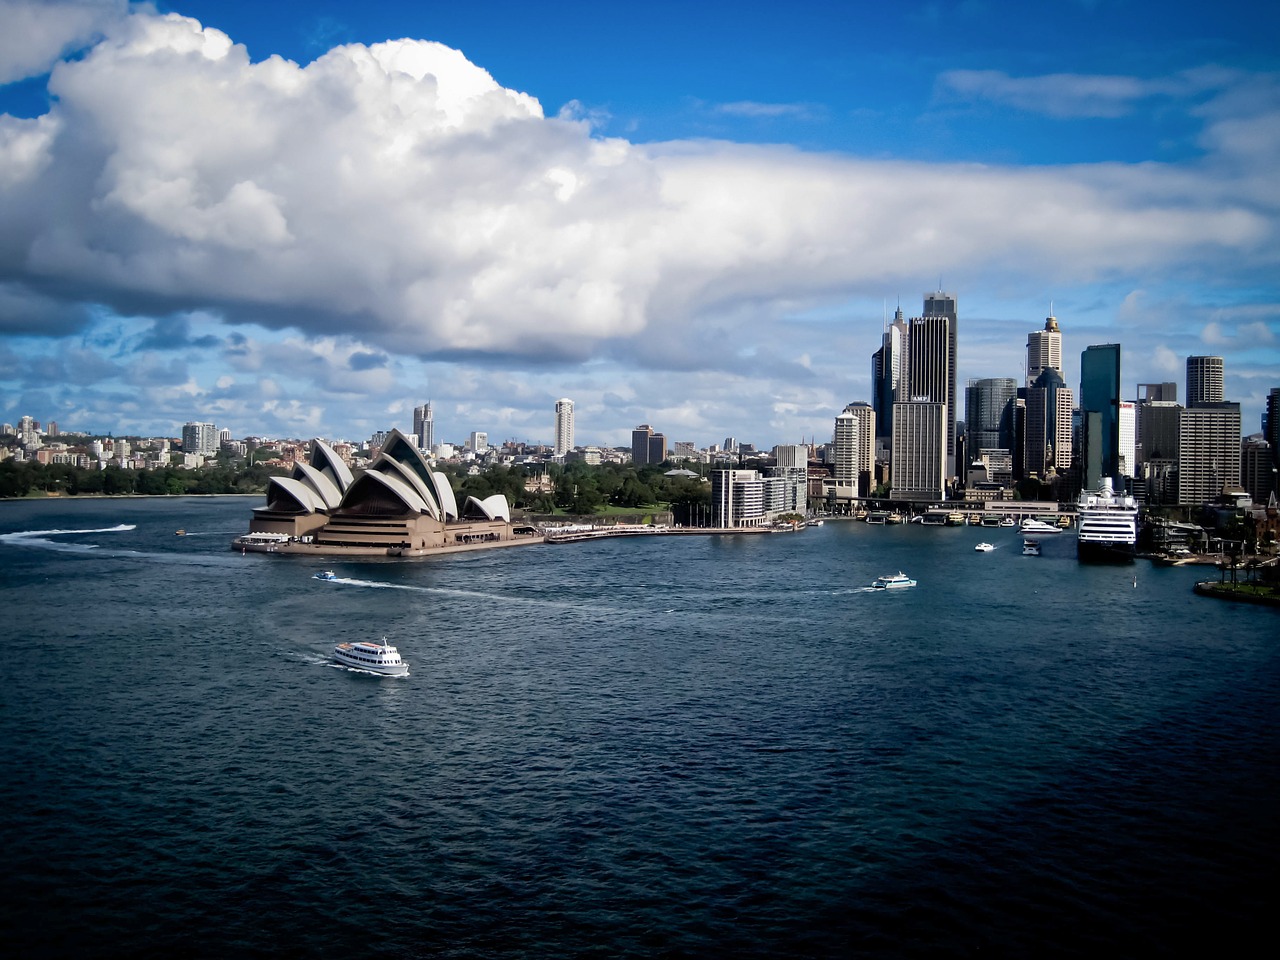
x: 1128, y: 438
x: 844, y: 447
x: 199, y: 439
x: 1044, y: 350
x: 478, y: 441
x: 564, y: 426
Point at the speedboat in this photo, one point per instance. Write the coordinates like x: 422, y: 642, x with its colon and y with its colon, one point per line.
x: 1008, y: 522
x: 1031, y: 548
x: 893, y: 582
x: 984, y: 547
x: 325, y: 575
x: 374, y: 657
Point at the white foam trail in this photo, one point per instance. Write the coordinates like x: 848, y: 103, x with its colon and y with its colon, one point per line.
x: 40, y: 538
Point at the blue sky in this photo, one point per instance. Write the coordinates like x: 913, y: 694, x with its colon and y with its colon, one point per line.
x: 690, y: 215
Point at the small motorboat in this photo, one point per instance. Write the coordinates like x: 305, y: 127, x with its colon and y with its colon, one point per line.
x: 893, y: 582
x: 325, y: 575
x: 984, y: 547
x: 1031, y: 548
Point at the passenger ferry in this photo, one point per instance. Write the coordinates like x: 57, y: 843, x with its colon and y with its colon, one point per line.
x: 1031, y: 548
x: 893, y: 582
x: 1038, y: 526
x: 1108, y: 526
x: 375, y: 657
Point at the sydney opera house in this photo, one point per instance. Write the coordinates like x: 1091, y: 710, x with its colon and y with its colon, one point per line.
x: 398, y: 506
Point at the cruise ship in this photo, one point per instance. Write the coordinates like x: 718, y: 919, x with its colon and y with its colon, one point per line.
x: 1108, y: 526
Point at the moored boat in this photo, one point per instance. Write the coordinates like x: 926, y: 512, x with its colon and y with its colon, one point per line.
x: 381, y: 658
x: 1108, y: 526
x: 894, y: 581
x: 1038, y: 526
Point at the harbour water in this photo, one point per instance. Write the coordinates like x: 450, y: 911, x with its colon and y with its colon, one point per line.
x: 660, y: 746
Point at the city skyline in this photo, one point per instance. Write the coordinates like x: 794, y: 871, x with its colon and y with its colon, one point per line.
x: 705, y: 247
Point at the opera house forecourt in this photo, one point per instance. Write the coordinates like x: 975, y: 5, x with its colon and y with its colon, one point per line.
x: 397, y: 507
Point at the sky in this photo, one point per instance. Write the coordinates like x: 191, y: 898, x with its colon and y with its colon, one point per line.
x: 305, y: 217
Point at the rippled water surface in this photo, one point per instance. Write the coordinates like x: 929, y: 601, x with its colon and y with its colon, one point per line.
x: 669, y: 746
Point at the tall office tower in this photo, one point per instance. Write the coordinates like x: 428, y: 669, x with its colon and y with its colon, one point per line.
x: 1204, y: 380
x: 640, y: 444
x: 919, y: 461
x: 844, y: 448
x: 1044, y: 350
x: 564, y: 426
x: 1208, y: 451
x: 866, y: 449
x: 200, y: 438
x: 657, y: 448
x: 424, y: 427
x: 988, y: 413
x: 1257, y: 470
x: 1047, y: 431
x: 932, y: 364
x: 730, y: 445
x: 889, y: 372
x: 1100, y: 414
x: 1127, y: 426
x: 478, y: 442
x: 1271, y: 424
x: 52, y: 430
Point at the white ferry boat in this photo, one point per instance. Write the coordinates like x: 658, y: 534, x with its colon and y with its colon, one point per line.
x: 1031, y: 548
x: 894, y: 582
x: 1108, y: 526
x: 1038, y: 526
x: 375, y: 657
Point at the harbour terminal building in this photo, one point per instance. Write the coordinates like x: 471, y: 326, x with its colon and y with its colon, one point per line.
x: 398, y: 506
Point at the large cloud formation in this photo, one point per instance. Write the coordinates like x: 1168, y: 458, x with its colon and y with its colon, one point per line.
x: 397, y: 190
x: 394, y: 201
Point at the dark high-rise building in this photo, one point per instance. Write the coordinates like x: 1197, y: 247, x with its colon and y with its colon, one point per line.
x: 1204, y: 380
x: 640, y: 444
x: 1271, y: 424
x: 424, y: 427
x: 889, y: 372
x: 1047, y: 427
x: 1100, y: 414
x: 932, y: 365
x: 988, y: 413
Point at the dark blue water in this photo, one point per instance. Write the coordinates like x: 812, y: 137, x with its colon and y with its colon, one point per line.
x: 671, y: 747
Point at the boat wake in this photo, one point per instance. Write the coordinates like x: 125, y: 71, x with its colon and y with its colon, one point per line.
x: 377, y: 584
x: 40, y: 538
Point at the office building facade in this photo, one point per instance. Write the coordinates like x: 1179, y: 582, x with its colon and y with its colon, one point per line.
x: 1044, y: 350
x: 1100, y: 414
x: 1204, y: 380
x: 1208, y: 451
x: 424, y: 428
x: 919, y: 463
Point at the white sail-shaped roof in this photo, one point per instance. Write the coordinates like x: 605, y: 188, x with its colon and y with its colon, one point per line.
x: 307, y: 500
x: 389, y: 466
x: 329, y: 463
x: 444, y: 495
x: 493, y: 508
x: 324, y: 487
x: 358, y: 494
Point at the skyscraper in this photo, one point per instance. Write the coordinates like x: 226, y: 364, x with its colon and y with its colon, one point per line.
x: 564, y: 426
x: 1047, y: 430
x: 932, y: 365
x: 1271, y: 423
x: 200, y: 438
x: 1100, y: 414
x: 640, y: 444
x: 919, y: 451
x: 988, y: 414
x: 1204, y: 380
x: 424, y: 427
x: 1044, y: 350
x: 844, y: 445
x: 889, y: 372
x: 1208, y: 451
